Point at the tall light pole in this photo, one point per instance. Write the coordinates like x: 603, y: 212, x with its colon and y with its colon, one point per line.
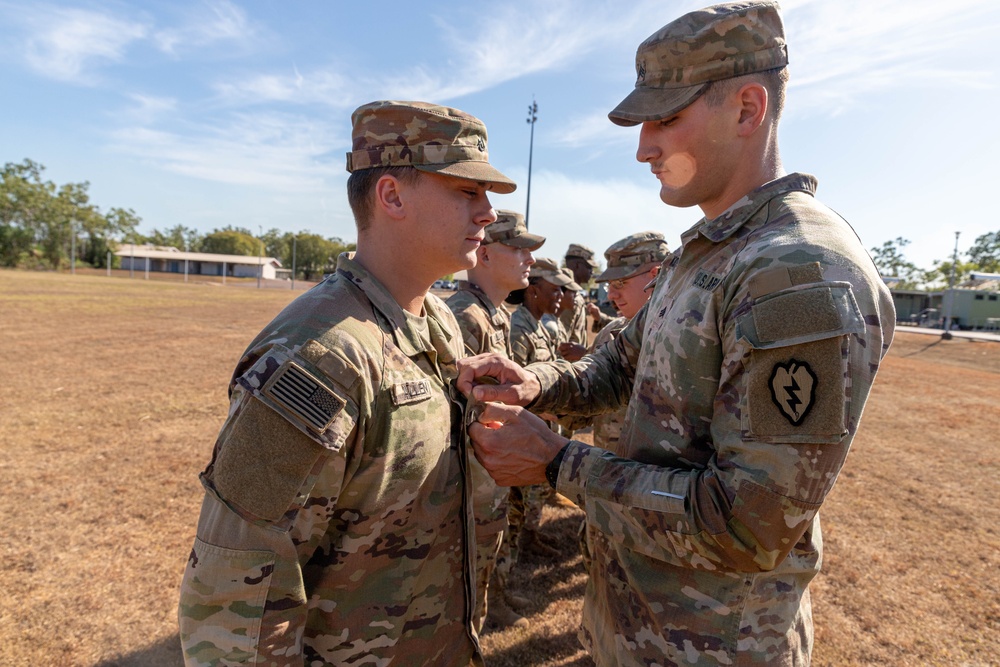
x: 260, y: 255
x: 951, y: 296
x: 532, y: 117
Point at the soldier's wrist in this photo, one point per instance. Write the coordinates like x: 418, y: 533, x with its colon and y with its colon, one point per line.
x: 552, y: 469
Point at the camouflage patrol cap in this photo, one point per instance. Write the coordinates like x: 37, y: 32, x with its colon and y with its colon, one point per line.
x: 572, y: 285
x: 582, y: 252
x: 627, y: 257
x: 428, y: 137
x: 548, y: 270
x: 676, y: 63
x: 510, y: 229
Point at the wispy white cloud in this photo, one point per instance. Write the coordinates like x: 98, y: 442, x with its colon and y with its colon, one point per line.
x: 480, y: 51
x: 205, y: 24
x: 69, y: 44
x: 842, y: 51
x: 270, y: 151
x: 148, y: 108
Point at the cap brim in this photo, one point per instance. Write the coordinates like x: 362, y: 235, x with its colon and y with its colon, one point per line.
x: 645, y: 104
x: 617, y: 273
x: 529, y: 241
x: 557, y: 279
x: 481, y: 172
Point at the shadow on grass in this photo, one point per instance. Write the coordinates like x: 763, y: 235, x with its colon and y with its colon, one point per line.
x: 924, y: 348
x: 164, y: 653
x: 538, y: 650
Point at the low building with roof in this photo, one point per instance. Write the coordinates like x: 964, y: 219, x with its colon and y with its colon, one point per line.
x: 167, y: 259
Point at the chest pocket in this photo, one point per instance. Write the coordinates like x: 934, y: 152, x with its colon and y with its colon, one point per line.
x: 798, y: 374
x: 541, y: 351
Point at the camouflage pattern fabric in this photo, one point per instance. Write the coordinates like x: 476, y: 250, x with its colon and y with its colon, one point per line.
x: 428, y: 137
x: 529, y: 342
x: 511, y: 230
x: 337, y: 526
x: 607, y: 426
x: 574, y: 320
x: 674, y: 65
x: 485, y: 328
x: 745, y: 378
x: 557, y: 333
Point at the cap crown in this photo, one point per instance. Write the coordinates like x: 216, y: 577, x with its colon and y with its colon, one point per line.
x: 509, y: 225
x: 718, y: 42
x: 577, y: 250
x: 424, y: 136
x: 636, y: 250
x: 395, y: 134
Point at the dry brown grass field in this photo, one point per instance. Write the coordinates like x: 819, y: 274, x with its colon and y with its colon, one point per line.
x: 114, y: 389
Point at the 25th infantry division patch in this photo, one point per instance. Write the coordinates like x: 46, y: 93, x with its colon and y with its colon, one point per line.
x: 793, y: 389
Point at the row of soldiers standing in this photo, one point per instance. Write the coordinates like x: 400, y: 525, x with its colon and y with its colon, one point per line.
x: 529, y: 309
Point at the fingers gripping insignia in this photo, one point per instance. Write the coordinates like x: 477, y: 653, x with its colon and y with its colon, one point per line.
x: 793, y: 389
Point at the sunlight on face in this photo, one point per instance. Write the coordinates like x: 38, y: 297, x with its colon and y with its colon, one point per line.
x: 678, y: 170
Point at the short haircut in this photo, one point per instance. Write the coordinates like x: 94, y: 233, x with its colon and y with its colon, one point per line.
x: 361, y: 185
x: 773, y: 80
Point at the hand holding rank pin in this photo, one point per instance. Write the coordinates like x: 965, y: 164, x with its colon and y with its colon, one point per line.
x: 514, y: 445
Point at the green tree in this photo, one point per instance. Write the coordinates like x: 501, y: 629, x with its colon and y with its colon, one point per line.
x: 892, y: 263
x: 178, y: 236
x: 985, y: 252
x: 230, y: 242
x: 939, y: 275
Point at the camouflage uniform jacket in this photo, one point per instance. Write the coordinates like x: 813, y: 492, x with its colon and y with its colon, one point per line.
x: 745, y: 375
x: 607, y: 426
x: 574, y: 320
x: 530, y: 341
x: 485, y: 328
x: 336, y: 526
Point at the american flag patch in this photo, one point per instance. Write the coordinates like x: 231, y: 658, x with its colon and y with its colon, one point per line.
x: 299, y: 393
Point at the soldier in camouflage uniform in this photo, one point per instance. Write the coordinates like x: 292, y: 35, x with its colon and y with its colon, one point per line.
x: 336, y: 526
x: 530, y: 341
x: 503, y: 265
x: 633, y: 263
x: 580, y: 261
x: 745, y: 375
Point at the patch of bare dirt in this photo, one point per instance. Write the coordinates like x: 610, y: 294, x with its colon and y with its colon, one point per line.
x: 114, y: 390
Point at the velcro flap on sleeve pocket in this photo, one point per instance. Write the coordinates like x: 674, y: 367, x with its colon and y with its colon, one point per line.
x: 801, y: 314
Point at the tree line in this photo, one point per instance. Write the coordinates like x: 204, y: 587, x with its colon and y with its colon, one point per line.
x: 43, y: 225
x: 982, y: 256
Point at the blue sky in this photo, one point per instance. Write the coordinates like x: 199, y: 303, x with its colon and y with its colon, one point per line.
x: 211, y: 113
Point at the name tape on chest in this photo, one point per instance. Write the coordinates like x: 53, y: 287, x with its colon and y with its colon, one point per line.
x: 497, y: 339
x: 302, y: 395
x: 411, y: 391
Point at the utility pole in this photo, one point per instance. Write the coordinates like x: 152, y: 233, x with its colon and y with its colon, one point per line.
x: 72, y: 249
x: 295, y: 240
x: 532, y: 117
x: 951, y: 291
x: 260, y: 255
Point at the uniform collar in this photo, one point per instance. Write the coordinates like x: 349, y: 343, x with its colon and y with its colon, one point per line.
x: 476, y: 291
x: 407, y: 337
x: 737, y: 215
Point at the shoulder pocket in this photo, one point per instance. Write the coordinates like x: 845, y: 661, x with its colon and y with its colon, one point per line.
x: 801, y: 314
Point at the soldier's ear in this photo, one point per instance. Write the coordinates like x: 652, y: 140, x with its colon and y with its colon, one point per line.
x: 752, y: 100
x: 388, y: 197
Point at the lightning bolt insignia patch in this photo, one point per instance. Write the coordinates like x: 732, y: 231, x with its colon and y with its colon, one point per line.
x: 793, y: 389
